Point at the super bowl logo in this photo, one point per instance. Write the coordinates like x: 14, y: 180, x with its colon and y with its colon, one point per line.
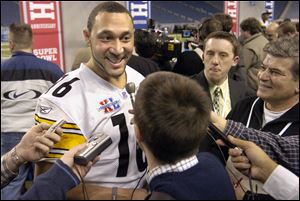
x: 109, y: 105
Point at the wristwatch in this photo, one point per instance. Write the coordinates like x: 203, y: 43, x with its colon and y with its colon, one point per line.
x: 16, y: 159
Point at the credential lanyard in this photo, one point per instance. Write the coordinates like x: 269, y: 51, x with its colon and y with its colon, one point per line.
x: 250, y: 115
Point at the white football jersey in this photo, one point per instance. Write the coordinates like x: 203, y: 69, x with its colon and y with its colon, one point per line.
x: 93, y: 106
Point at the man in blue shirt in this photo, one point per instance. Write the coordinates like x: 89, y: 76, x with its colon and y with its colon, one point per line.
x: 24, y: 77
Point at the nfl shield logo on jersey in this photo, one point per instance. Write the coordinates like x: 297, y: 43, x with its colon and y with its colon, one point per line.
x: 109, y: 105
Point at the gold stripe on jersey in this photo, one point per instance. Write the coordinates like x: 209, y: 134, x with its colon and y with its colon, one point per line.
x: 70, y: 138
x: 54, y: 155
x: 50, y: 121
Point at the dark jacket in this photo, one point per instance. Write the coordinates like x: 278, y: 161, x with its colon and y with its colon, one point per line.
x: 207, y: 180
x: 188, y: 63
x: 241, y: 112
x: 238, y: 90
x: 53, y: 184
x: 143, y: 65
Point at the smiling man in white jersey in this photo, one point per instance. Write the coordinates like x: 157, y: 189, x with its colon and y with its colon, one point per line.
x: 93, y: 100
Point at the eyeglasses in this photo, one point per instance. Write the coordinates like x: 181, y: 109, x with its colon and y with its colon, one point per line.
x: 273, y: 72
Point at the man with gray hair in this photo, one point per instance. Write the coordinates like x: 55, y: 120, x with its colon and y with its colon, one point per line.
x: 276, y: 109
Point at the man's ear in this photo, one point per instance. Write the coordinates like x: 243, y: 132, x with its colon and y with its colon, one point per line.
x: 235, y: 60
x: 297, y: 88
x: 11, y: 45
x: 86, y: 35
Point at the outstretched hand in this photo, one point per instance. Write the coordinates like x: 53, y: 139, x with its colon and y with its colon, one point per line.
x: 36, y: 144
x: 79, y: 170
x: 254, y: 157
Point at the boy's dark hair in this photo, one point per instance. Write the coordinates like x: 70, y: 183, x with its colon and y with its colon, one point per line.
x: 172, y: 113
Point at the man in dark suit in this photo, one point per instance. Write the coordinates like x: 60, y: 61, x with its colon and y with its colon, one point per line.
x: 220, y: 54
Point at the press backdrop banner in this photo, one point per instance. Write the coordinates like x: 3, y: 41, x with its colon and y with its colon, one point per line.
x: 232, y: 8
x: 140, y: 12
x: 45, y: 20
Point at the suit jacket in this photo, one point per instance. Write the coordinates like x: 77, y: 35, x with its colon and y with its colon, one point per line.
x: 238, y: 89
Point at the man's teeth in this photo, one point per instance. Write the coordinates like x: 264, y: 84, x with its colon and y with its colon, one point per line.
x: 114, y: 61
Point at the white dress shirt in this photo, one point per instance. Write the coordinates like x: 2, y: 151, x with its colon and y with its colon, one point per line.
x: 282, y: 184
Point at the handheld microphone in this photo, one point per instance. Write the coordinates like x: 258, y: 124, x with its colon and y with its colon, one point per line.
x: 130, y: 88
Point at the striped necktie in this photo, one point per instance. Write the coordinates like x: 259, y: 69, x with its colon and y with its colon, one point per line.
x: 216, y: 100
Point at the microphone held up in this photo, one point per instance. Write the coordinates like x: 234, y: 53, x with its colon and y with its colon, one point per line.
x: 130, y: 88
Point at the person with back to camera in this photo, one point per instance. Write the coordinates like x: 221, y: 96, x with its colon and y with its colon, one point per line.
x: 93, y: 100
x: 24, y: 77
x: 226, y: 21
x: 252, y: 53
x: 171, y: 115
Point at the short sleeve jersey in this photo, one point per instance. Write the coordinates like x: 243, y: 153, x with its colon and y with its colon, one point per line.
x: 92, y: 106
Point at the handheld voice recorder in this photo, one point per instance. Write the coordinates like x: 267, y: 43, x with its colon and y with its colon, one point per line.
x: 95, y: 146
x: 54, y: 126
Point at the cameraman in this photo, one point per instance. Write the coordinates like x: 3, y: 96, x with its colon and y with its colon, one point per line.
x: 150, y: 46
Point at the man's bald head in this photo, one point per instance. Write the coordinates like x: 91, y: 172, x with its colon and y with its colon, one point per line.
x: 271, y: 31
